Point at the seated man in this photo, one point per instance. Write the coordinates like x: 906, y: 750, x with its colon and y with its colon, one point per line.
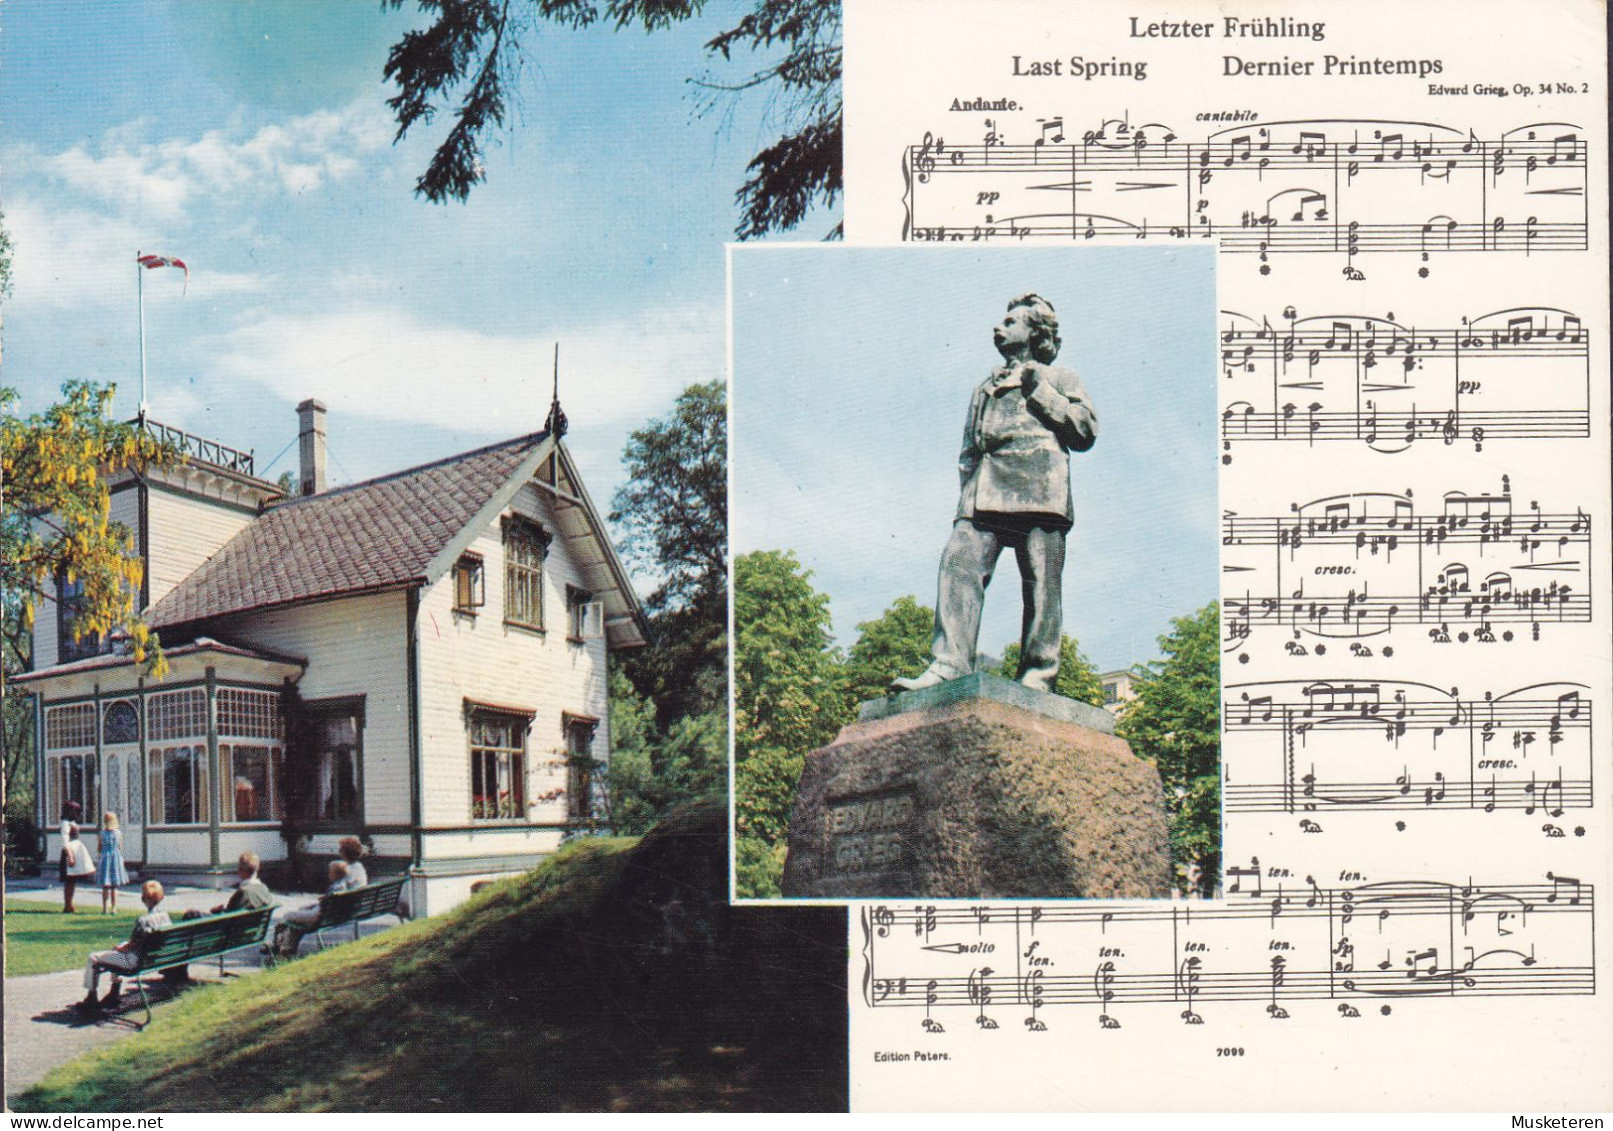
x: 250, y: 893
x: 288, y: 935
x: 126, y: 957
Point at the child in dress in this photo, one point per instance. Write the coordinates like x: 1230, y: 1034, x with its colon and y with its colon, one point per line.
x: 110, y: 873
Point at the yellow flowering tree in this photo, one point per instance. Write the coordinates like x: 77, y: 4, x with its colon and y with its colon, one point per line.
x: 55, y: 504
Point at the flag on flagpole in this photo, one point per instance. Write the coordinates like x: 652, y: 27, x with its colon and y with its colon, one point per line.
x: 152, y: 261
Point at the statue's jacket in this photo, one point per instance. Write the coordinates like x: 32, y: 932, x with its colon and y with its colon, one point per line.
x: 1015, y: 460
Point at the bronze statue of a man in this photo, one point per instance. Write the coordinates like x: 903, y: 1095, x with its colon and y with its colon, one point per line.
x: 1024, y: 420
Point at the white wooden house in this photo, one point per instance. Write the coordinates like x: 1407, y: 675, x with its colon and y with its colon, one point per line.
x: 419, y: 660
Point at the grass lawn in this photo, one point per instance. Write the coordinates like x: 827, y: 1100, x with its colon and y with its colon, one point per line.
x: 615, y: 977
x: 41, y: 940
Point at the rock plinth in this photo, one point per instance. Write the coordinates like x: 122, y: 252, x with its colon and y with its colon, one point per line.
x: 978, y: 788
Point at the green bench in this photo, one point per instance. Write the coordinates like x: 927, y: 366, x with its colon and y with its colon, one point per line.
x: 357, y: 905
x: 211, y: 937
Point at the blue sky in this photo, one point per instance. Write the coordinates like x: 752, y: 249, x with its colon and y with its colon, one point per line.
x: 253, y: 141
x: 853, y: 369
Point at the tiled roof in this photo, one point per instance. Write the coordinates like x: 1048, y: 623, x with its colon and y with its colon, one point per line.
x: 371, y: 535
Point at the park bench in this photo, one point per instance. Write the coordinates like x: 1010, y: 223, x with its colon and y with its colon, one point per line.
x: 211, y: 937
x: 358, y: 904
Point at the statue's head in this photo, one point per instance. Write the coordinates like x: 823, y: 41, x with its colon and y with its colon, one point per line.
x: 1030, y: 317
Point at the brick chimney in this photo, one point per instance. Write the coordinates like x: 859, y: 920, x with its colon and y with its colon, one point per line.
x: 311, y: 444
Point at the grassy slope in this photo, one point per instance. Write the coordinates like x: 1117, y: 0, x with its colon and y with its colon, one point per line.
x: 40, y: 939
x: 615, y: 977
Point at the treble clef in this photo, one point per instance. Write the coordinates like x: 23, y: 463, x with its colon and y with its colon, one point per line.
x: 924, y: 159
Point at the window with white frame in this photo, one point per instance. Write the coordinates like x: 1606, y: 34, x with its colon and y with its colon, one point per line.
x: 249, y: 782
x: 251, y: 755
x: 178, y: 784
x: 497, y: 763
x: 177, y: 714
x: 176, y: 760
x: 525, y: 547
x: 70, y: 768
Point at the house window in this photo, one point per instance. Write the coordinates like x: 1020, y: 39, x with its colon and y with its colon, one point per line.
x: 249, y: 782
x: 497, y: 764
x: 582, y: 615
x: 336, y: 761
x: 178, y: 784
x: 120, y: 723
x: 525, y: 546
x: 470, y: 588
x: 66, y: 727
x: 178, y: 714
x: 244, y: 713
x: 70, y: 768
x: 69, y: 608
x: 581, y: 768
x: 72, y: 778
x: 1111, y: 692
x: 251, y: 754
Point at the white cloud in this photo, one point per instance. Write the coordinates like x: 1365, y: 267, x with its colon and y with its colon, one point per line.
x: 159, y: 179
x: 375, y: 360
x: 66, y: 256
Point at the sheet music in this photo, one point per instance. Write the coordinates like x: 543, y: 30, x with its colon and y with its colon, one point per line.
x: 1408, y: 208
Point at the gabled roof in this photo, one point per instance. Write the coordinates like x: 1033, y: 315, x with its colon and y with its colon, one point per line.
x: 385, y: 533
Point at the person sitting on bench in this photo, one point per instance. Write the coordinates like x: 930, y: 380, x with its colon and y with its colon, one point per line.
x: 250, y: 893
x: 351, y: 850
x: 288, y: 934
x: 126, y: 957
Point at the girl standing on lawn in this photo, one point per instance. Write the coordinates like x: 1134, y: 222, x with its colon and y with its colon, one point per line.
x: 110, y: 873
x: 77, y: 866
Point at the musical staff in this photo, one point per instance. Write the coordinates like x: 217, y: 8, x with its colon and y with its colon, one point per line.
x: 1298, y: 746
x: 1360, y: 564
x: 1338, y: 186
x: 1521, y: 373
x: 1267, y: 942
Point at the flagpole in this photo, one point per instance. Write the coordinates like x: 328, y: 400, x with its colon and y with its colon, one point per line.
x: 140, y: 301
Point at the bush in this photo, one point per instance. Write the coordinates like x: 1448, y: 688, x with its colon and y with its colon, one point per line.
x: 758, y: 868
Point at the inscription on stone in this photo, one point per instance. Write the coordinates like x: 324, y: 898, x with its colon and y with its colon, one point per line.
x: 866, y: 833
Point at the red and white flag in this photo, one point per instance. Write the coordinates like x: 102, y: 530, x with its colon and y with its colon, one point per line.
x: 152, y: 261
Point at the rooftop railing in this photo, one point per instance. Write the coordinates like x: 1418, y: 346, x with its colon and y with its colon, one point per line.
x: 198, y: 448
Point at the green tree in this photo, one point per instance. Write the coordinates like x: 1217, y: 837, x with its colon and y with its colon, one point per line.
x: 635, y: 794
x: 896, y: 644
x: 672, y: 515
x: 55, y: 501
x: 54, y: 517
x: 5, y: 259
x: 1175, y: 722
x: 1077, y: 678
x: 787, y: 690
x: 481, y: 43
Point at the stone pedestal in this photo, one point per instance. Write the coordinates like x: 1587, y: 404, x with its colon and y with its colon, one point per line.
x: 978, y: 788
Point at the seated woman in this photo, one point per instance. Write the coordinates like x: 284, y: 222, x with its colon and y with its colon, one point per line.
x: 290, y: 930
x: 351, y: 850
